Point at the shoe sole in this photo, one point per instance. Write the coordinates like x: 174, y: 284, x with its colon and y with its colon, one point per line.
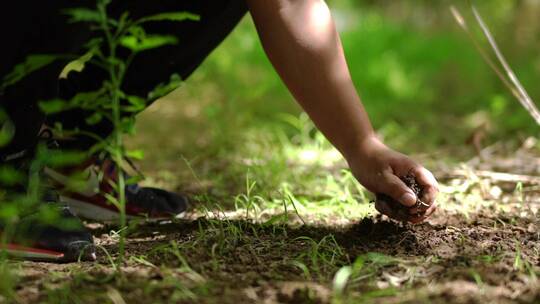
x: 33, y: 254
x: 97, y: 213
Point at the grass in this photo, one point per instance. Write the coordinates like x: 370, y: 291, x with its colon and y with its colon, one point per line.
x: 255, y: 238
x: 280, y: 218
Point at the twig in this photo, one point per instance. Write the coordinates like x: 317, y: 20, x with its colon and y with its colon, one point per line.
x: 526, y: 99
x: 496, y: 176
x: 514, y: 85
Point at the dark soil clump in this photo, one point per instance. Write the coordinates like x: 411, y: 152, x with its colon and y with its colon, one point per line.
x: 410, y: 181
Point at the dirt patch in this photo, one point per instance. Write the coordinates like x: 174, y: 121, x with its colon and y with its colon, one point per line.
x: 477, y: 248
x: 450, y: 259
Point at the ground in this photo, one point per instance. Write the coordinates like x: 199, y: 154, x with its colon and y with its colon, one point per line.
x: 278, y: 217
x: 258, y: 235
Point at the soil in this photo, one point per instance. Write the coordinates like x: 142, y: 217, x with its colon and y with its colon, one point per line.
x: 410, y: 181
x: 436, y: 263
x: 469, y: 251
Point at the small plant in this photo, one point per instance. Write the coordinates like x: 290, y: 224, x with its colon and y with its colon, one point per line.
x: 364, y: 267
x: 8, y: 282
x: 323, y: 255
x: 518, y: 191
x: 478, y: 280
x: 248, y: 200
x: 110, y: 101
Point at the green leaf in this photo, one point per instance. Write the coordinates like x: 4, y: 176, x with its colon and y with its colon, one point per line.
x: 276, y: 219
x: 127, y: 125
x: 112, y: 200
x: 137, y: 31
x: 137, y: 104
x: 163, y: 89
x: 57, y: 158
x: 123, y: 21
x: 10, y: 176
x: 359, y: 263
x: 377, y: 293
x: 171, y: 16
x: 81, y: 14
x: 135, y: 154
x: 89, y: 100
x: 76, y: 65
x: 94, y: 45
x: 379, y: 258
x: 9, y: 211
x: 139, y: 44
x: 7, y: 129
x: 341, y: 278
x: 30, y: 65
x: 134, y: 180
x: 104, y: 3
x: 53, y: 106
x: 95, y: 118
x: 136, y: 100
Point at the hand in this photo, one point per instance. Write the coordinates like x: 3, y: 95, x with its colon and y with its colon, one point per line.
x: 378, y: 168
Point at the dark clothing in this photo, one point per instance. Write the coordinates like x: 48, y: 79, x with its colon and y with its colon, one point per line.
x: 40, y: 27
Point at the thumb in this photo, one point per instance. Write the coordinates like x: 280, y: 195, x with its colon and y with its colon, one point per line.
x: 392, y: 186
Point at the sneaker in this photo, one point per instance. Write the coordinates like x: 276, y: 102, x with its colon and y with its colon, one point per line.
x: 33, y: 239
x: 63, y: 238
x: 141, y: 202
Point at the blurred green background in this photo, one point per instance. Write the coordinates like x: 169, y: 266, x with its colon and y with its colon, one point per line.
x: 424, y: 85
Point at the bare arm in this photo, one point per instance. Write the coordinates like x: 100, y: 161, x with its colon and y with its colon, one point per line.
x: 303, y: 45
x: 301, y: 41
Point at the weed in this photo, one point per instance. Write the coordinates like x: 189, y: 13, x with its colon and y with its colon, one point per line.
x: 323, y: 255
x: 477, y: 278
x: 8, y: 283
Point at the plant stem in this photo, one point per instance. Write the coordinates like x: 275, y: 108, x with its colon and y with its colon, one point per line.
x: 116, y: 73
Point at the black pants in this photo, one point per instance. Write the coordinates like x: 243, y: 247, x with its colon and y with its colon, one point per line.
x: 40, y: 27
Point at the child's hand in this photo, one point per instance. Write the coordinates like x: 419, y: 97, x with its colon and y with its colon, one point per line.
x: 377, y: 168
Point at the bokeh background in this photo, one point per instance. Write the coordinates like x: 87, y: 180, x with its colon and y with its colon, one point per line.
x: 426, y: 88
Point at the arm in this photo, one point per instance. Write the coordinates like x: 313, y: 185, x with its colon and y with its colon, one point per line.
x: 301, y: 41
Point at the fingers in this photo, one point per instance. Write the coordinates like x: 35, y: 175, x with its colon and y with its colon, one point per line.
x: 429, y: 184
x: 396, y: 189
x: 401, y: 213
x: 385, y: 208
x: 401, y: 202
x: 431, y: 209
x: 422, y: 208
x: 422, y: 217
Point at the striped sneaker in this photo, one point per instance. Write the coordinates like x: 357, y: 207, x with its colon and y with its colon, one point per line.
x: 90, y: 201
x: 32, y: 238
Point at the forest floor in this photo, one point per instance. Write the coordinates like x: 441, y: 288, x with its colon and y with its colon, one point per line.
x: 277, y: 216
x: 283, y: 221
x: 481, y: 246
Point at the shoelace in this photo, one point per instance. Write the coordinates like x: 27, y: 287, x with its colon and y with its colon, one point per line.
x: 47, y: 136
